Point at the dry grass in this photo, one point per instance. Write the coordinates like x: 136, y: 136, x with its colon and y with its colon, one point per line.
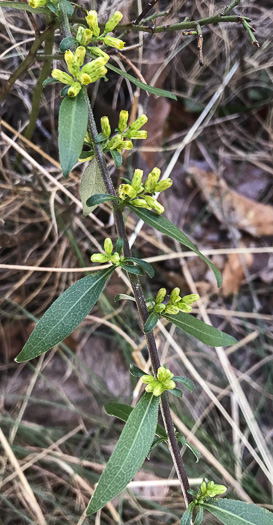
x: 55, y: 436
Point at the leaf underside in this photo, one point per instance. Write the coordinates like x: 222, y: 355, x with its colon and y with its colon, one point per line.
x: 91, y: 184
x: 233, y: 512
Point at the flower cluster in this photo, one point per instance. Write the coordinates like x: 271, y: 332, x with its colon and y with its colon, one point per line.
x: 175, y: 304
x: 119, y: 142
x: 37, y: 3
x: 110, y: 255
x: 140, y: 195
x: 85, y: 36
x: 162, y: 382
x: 79, y: 74
x: 208, y: 490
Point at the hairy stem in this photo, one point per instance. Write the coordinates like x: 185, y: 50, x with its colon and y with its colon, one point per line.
x: 142, y: 310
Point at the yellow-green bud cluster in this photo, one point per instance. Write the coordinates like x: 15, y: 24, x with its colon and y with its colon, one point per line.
x: 81, y: 75
x: 162, y: 382
x: 118, y: 142
x: 209, y: 490
x: 109, y: 255
x: 175, y: 304
x: 37, y: 3
x: 136, y: 192
x: 94, y: 35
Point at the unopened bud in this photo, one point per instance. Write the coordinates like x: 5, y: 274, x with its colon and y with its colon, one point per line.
x: 92, y: 21
x: 163, y: 185
x: 142, y: 134
x: 175, y: 295
x: 152, y: 180
x: 126, y: 144
x: 37, y: 3
x: 137, y: 179
x: 169, y: 384
x: 99, y: 53
x: 162, y: 374
x: 105, y: 126
x: 171, y: 309
x: 150, y: 387
x: 62, y: 76
x: 74, y: 89
x: 154, y: 205
x: 115, y: 258
x: 188, y: 299
x: 147, y: 378
x: 203, y: 487
x: 108, y: 246
x: 69, y: 58
x: 113, y: 22
x: 159, y: 308
x: 85, y: 79
x: 140, y: 203
x: 84, y: 36
x: 99, y: 257
x: 113, y: 42
x: 93, y: 66
x: 79, y: 56
x: 123, y: 119
x: 99, y: 73
x: 158, y: 389
x: 184, y: 307
x: 139, y: 122
x: 160, y: 295
x: 126, y: 190
x: 115, y: 142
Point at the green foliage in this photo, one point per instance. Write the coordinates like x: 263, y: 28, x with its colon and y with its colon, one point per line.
x: 186, y: 518
x: 91, y: 184
x: 199, y: 517
x: 185, y: 381
x: 143, y: 264
x: 168, y: 228
x: 130, y: 452
x: 99, y: 198
x: 203, y: 332
x: 67, y: 43
x: 151, y: 322
x: 65, y: 314
x: 233, y: 512
x: 72, y: 129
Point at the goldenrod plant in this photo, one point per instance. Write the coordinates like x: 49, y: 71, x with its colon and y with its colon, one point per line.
x: 86, y: 46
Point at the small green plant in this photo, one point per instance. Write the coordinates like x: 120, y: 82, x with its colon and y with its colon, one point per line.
x: 86, y: 60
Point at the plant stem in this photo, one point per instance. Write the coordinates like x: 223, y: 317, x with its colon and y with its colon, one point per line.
x: 142, y: 310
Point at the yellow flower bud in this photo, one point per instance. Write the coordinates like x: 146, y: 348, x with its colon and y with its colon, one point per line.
x: 99, y: 53
x: 115, y: 258
x: 142, y: 134
x: 169, y: 384
x: 126, y: 190
x: 184, y: 307
x: 84, y: 79
x: 188, y: 299
x: 163, y: 185
x: 137, y: 179
x: 123, y: 119
x: 74, y: 89
x: 175, y: 295
x: 141, y: 203
x: 99, y: 257
x: 86, y: 159
x: 154, y: 205
x: 62, y: 76
x: 105, y: 126
x: 87, y: 37
x: 152, y: 179
x: 159, y: 308
x: 171, y: 309
x: 158, y: 389
x: 203, y: 487
x: 147, y: 378
x: 150, y: 387
x: 162, y: 374
x: 115, y: 142
x: 37, y: 3
x: 69, y: 58
x: 160, y: 295
x: 93, y: 66
x: 139, y: 122
x: 113, y: 22
x: 108, y: 246
x: 113, y: 42
x: 79, y: 56
x: 101, y: 72
x: 126, y: 144
x: 92, y: 21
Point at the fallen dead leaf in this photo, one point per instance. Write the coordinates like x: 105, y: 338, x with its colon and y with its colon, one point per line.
x: 231, y: 207
x: 234, y: 272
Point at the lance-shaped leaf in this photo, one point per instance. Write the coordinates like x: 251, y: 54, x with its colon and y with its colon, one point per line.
x: 204, y: 332
x: 99, y: 198
x: 72, y: 129
x: 136, y: 371
x: 188, y: 383
x: 131, y: 450
x: 186, y: 518
x: 151, y: 322
x: 67, y: 43
x: 151, y: 89
x: 132, y: 269
x: 65, y: 314
x: 91, y: 184
x: 165, y: 226
x: 143, y: 264
x: 176, y: 392
x: 233, y: 512
x: 199, y: 517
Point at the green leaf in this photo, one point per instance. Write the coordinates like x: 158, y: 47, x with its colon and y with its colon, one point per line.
x: 117, y: 158
x: 51, y: 7
x: 192, y: 448
x: 65, y: 314
x: 67, y: 43
x: 143, y: 264
x: 119, y: 245
x: 186, y: 518
x: 233, y: 512
x: 142, y: 85
x: 204, y: 332
x: 122, y: 411
x: 188, y: 383
x: 72, y: 129
x: 64, y: 91
x: 50, y: 80
x: 86, y: 154
x: 131, y: 450
x: 68, y: 7
x: 98, y: 198
x: 91, y: 184
x: 100, y: 138
x: 131, y: 269
x: 124, y: 297
x: 151, y: 322
x: 136, y: 371
x: 200, y: 515
x: 176, y: 392
x: 163, y: 225
x: 24, y: 7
